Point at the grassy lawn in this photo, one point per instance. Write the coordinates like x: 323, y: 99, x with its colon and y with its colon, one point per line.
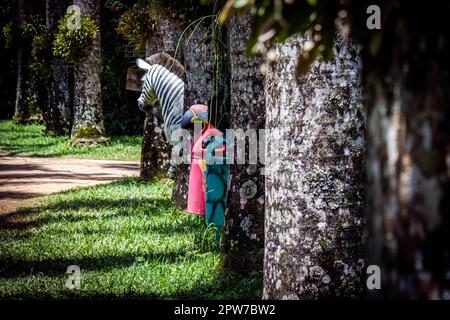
x: 128, y: 240
x: 30, y: 140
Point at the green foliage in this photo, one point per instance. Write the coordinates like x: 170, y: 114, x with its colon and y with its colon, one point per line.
x: 34, y: 26
x: 41, y: 52
x: 23, y: 34
x: 115, y: 5
x: 277, y: 20
x: 10, y: 33
x: 71, y: 43
x: 135, y: 25
x: 32, y: 38
x: 41, y: 44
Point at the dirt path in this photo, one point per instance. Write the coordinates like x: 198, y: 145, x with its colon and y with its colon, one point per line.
x: 23, y: 179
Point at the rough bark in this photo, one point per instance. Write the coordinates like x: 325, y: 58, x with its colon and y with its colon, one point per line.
x: 57, y: 115
x: 23, y: 58
x: 314, y: 176
x: 156, y: 149
x: 88, y: 111
x: 408, y: 158
x: 243, y: 240
x: 199, y: 63
x: 197, y: 54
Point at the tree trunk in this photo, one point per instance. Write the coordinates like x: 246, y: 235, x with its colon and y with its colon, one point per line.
x: 243, y: 241
x: 156, y: 149
x: 57, y: 115
x: 314, y: 176
x: 198, y: 61
x: 23, y: 59
x: 408, y: 158
x: 88, y: 113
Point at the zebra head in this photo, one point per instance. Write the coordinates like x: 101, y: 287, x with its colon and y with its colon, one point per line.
x: 148, y: 96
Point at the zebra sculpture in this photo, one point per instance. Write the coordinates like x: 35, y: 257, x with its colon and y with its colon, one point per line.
x: 163, y: 82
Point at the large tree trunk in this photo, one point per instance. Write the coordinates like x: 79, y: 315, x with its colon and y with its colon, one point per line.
x: 156, y: 150
x: 57, y: 114
x: 314, y: 176
x: 88, y: 111
x: 243, y: 242
x: 199, y: 64
x: 23, y: 59
x: 408, y: 159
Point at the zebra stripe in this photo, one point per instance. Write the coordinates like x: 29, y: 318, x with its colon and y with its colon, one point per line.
x: 167, y: 88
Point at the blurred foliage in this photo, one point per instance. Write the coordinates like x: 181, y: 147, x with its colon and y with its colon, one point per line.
x: 71, y: 43
x: 35, y: 25
x: 10, y: 34
x: 320, y: 20
x: 36, y: 36
x: 21, y: 34
x: 33, y: 37
x: 276, y: 20
x: 41, y: 52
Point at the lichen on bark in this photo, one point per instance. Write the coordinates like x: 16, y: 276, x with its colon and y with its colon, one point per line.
x: 243, y: 239
x: 88, y: 111
x: 314, y: 176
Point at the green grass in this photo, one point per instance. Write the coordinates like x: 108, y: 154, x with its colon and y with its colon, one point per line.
x: 128, y: 240
x: 30, y: 140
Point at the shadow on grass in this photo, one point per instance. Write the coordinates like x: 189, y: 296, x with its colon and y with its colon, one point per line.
x: 12, y: 267
x: 222, y: 286
x: 27, y: 218
x: 26, y: 223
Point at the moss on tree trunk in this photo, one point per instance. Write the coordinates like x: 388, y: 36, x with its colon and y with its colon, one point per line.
x: 88, y: 111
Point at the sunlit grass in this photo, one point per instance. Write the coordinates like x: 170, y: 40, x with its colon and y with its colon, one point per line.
x: 128, y: 240
x: 30, y: 140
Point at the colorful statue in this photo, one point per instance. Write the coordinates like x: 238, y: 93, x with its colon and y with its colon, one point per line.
x: 208, y: 181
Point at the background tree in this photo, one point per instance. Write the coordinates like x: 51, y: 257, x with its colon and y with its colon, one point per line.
x: 243, y: 240
x: 8, y: 66
x: 28, y: 26
x: 23, y: 58
x: 156, y: 151
x: 58, y: 112
x: 407, y: 79
x: 88, y: 113
x: 200, y: 61
x: 185, y: 30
